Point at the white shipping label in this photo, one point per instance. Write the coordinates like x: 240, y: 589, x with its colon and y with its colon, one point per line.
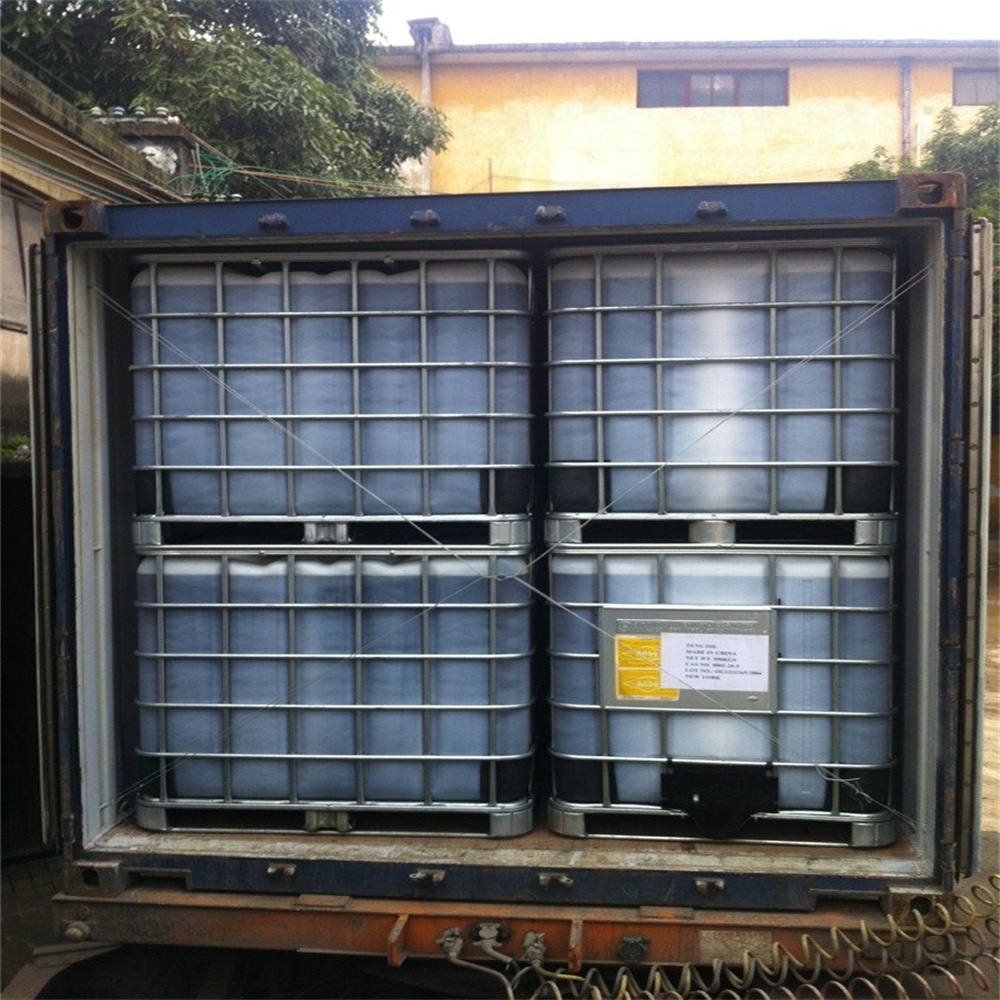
x: 714, y: 661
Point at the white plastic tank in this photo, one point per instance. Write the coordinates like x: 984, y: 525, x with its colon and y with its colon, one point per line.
x: 458, y: 383
x: 323, y: 400
x: 344, y: 391
x: 805, y: 675
x: 477, y: 407
x: 678, y: 382
x: 717, y: 734
x: 259, y: 677
x: 304, y: 678
x: 806, y: 336
x: 255, y: 400
x: 327, y: 676
x: 478, y: 627
x: 867, y: 382
x: 573, y: 424
x: 188, y: 398
x: 831, y: 700
x: 865, y: 672
x: 181, y: 676
x: 710, y: 334
x: 629, y: 344
x: 391, y: 400
x: 392, y: 681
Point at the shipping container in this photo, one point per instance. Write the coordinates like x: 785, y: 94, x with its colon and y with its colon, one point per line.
x: 579, y: 578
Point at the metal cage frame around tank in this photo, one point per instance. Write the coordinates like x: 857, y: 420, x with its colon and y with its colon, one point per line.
x: 318, y: 344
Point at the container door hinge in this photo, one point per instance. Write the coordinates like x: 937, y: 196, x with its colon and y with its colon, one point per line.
x: 948, y: 867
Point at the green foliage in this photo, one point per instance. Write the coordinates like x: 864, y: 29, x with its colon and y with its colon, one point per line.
x: 882, y: 166
x: 16, y: 444
x: 288, y: 86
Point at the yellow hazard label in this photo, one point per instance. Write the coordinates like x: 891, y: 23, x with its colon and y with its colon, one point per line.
x: 637, y: 668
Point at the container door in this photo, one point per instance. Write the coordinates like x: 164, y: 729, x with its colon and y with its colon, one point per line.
x: 971, y: 723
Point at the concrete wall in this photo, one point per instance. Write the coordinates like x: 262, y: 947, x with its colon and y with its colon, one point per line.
x: 567, y: 119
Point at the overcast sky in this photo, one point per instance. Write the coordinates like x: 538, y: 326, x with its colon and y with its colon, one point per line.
x: 481, y: 22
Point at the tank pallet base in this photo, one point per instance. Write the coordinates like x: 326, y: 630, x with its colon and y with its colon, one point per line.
x: 404, y: 819
x: 496, y: 530
x: 727, y: 529
x: 650, y: 823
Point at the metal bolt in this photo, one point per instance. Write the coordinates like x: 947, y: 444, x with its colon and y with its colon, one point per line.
x: 711, y: 210
x: 425, y: 218
x: 706, y: 885
x: 274, y: 221
x: 533, y: 946
x: 548, y: 879
x: 450, y: 942
x: 434, y: 876
x: 632, y: 948
x: 77, y: 931
x: 550, y: 213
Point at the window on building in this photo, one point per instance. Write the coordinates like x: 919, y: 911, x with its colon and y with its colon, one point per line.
x: 737, y: 88
x: 976, y: 86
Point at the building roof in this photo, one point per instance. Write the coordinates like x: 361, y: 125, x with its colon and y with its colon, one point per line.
x: 832, y: 49
x: 50, y: 146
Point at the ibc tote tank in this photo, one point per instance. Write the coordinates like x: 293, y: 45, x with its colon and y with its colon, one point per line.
x: 744, y: 382
x: 819, y: 718
x: 349, y: 391
x: 346, y: 678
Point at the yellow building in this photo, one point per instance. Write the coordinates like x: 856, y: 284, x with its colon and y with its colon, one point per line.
x: 622, y: 114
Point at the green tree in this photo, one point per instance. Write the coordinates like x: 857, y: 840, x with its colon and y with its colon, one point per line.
x: 286, y: 87
x: 881, y: 166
